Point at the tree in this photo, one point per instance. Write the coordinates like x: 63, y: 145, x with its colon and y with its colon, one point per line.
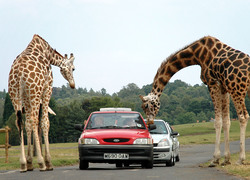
x: 188, y: 117
x: 8, y: 108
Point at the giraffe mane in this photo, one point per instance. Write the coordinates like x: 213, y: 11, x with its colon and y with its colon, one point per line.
x: 173, y: 54
x: 36, y: 35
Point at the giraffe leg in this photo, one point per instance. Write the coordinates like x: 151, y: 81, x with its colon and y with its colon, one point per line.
x: 40, y: 159
x: 29, y: 155
x: 243, y: 124
x: 215, y: 93
x: 243, y: 119
x: 45, y: 127
x: 226, y: 126
x: 19, y: 125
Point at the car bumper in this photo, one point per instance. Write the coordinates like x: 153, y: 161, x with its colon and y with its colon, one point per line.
x: 95, y: 153
x: 162, y: 154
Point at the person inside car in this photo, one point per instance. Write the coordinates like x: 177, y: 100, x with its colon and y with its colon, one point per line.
x: 129, y: 122
x: 98, y: 121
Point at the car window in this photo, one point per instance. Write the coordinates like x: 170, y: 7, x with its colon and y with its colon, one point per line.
x: 115, y: 121
x: 160, y: 128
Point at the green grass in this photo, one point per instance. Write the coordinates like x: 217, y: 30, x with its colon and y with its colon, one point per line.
x: 204, y: 133
x: 2, y: 138
x: 62, y: 154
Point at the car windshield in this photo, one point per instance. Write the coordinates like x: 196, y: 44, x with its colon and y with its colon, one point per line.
x: 160, y: 128
x: 115, y: 121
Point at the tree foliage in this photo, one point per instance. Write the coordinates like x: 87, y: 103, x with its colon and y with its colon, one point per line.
x: 180, y: 103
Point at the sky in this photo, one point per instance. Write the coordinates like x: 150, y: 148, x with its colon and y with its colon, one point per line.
x: 117, y: 42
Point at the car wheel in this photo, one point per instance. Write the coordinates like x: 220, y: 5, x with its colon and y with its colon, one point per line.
x: 177, y: 159
x: 148, y: 164
x: 126, y: 164
x: 83, y: 165
x: 171, y: 162
x: 118, y: 164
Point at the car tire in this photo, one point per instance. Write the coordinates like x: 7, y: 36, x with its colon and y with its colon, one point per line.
x: 118, y: 165
x: 126, y: 164
x: 83, y: 165
x: 177, y: 158
x: 148, y: 164
x: 171, y: 162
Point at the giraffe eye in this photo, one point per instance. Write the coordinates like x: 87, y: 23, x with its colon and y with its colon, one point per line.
x: 73, y: 69
x: 146, y: 106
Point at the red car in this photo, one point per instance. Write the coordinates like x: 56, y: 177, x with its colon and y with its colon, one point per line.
x: 115, y: 135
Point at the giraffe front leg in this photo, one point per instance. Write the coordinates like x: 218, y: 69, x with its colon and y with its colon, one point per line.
x: 40, y: 159
x: 215, y: 92
x: 226, y: 127
x: 45, y: 127
x: 29, y: 155
x: 28, y: 128
x: 216, y: 156
x: 243, y: 124
x: 49, y: 166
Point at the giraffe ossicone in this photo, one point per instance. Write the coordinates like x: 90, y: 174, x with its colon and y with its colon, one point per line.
x: 30, y: 87
x: 225, y: 71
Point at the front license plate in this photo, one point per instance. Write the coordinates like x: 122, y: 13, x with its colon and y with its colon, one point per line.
x: 116, y: 156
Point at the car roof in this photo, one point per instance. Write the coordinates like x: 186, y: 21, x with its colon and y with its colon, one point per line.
x: 157, y: 120
x: 115, y: 110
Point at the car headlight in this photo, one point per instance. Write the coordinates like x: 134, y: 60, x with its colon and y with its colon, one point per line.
x: 89, y: 141
x: 163, y: 142
x: 143, y: 141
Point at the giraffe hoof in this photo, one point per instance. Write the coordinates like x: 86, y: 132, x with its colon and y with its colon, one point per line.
x: 214, y: 163
x: 240, y: 162
x: 29, y: 167
x: 23, y: 168
x: 49, y: 169
x: 225, y: 163
x: 42, y: 167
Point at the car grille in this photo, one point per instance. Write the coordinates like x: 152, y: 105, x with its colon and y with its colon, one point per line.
x: 116, y: 140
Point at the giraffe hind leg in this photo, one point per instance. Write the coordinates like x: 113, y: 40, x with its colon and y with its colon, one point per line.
x: 19, y: 124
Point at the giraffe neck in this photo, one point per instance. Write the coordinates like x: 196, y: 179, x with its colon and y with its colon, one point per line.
x: 198, y: 53
x: 40, y: 46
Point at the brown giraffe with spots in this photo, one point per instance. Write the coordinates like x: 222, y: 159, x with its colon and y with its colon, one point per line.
x: 30, y: 87
x: 225, y: 71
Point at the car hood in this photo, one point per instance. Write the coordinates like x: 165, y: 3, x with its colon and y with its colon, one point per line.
x: 116, y: 133
x: 158, y: 137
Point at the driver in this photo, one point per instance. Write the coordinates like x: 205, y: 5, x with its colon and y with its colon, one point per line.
x: 129, y: 122
x: 98, y: 121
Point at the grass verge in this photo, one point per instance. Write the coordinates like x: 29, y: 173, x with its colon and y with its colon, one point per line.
x: 204, y: 133
x: 62, y: 154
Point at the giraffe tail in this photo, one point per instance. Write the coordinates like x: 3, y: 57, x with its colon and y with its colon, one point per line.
x: 19, y: 122
x: 248, y: 92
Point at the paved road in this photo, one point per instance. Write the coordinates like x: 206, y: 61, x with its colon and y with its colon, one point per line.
x: 188, y: 169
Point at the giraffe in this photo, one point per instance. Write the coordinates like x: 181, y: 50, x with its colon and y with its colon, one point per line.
x: 225, y: 71
x: 30, y: 88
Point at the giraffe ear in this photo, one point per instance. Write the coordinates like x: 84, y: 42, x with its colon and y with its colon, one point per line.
x: 143, y: 100
x: 72, y: 58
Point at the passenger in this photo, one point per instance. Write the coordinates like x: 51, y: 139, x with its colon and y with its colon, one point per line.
x: 129, y: 122
x: 98, y: 121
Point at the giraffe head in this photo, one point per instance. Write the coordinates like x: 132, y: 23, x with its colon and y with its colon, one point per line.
x: 67, y: 67
x: 151, y: 106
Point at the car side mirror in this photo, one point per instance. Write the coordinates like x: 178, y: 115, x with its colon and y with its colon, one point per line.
x: 174, y: 133
x: 79, y: 127
x: 151, y: 126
